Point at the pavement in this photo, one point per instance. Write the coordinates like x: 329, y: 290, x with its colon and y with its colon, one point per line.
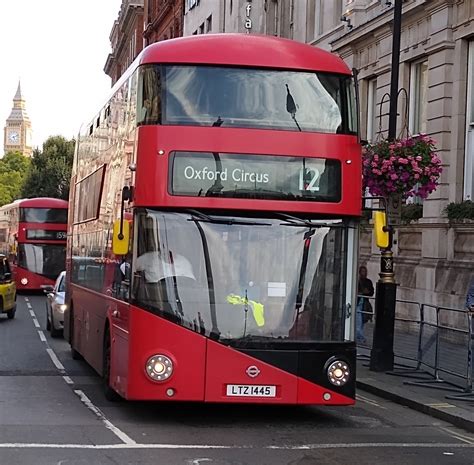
x: 417, y: 390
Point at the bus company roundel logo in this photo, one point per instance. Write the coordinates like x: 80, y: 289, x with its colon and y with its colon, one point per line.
x: 252, y: 371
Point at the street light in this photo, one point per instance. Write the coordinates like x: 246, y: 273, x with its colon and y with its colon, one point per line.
x: 381, y: 355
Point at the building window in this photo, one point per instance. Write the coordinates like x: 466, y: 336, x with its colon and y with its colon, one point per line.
x: 201, y: 29
x: 372, y: 115
x: 418, y: 97
x: 209, y: 24
x: 328, y: 15
x: 469, y: 150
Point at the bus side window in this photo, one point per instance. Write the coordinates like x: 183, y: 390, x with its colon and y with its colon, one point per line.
x: 149, y: 96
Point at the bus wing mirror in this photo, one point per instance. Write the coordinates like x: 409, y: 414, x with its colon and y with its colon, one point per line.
x: 121, y: 237
x: 381, y: 231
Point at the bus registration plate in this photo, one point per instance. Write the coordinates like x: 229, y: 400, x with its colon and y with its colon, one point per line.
x: 250, y: 390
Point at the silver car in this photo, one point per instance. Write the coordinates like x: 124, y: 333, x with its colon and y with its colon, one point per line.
x: 55, y: 306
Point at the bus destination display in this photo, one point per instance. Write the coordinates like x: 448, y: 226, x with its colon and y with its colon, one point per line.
x: 255, y: 176
x: 45, y: 235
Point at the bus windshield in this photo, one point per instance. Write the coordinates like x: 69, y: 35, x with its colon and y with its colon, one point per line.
x: 43, y: 215
x: 246, y: 98
x: 46, y: 260
x: 243, y: 280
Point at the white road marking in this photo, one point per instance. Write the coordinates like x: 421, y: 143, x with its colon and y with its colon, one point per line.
x: 442, y: 405
x: 127, y: 440
x: 32, y: 313
x: 366, y: 445
x: 198, y: 461
x: 457, y: 435
x: 26, y: 299
x: 68, y: 380
x: 42, y: 336
x: 369, y: 401
x: 35, y: 322
x: 29, y: 305
x: 55, y: 359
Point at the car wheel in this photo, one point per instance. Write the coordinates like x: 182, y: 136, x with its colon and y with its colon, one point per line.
x: 109, y: 393
x: 54, y: 332
x: 11, y: 313
x: 48, y: 322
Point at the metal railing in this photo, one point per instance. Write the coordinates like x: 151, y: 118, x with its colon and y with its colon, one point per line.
x: 428, y: 350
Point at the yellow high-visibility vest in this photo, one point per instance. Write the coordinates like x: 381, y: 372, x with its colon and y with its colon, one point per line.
x: 257, y: 308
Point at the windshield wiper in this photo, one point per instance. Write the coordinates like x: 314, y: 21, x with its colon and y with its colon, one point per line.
x: 218, y: 122
x: 291, y: 106
x: 203, y: 218
x: 295, y: 221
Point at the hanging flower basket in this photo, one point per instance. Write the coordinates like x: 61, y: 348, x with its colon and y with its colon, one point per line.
x: 406, y: 167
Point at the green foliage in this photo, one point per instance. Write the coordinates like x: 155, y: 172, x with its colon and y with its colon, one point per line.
x: 50, y: 171
x: 460, y: 211
x: 411, y: 212
x: 13, y: 170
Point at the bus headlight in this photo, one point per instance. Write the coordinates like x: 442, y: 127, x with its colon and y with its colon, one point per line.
x: 338, y: 373
x: 62, y: 308
x: 159, y: 367
x: 24, y: 281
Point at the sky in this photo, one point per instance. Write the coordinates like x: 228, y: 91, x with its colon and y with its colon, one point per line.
x: 58, y: 49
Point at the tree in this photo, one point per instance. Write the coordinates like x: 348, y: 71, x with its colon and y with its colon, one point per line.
x: 50, y: 171
x: 13, y: 170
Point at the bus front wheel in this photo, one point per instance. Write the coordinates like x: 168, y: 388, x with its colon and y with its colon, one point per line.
x: 109, y: 393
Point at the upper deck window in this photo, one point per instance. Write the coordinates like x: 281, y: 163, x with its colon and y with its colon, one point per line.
x: 246, y: 98
x: 43, y: 215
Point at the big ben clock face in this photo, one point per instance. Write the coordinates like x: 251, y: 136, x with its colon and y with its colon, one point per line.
x: 14, y: 137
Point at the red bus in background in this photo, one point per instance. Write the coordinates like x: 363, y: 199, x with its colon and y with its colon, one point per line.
x: 33, y: 236
x: 212, y: 241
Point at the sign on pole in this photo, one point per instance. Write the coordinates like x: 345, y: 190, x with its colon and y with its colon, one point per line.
x: 394, y: 209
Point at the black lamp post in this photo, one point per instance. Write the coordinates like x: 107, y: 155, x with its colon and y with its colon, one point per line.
x: 381, y: 355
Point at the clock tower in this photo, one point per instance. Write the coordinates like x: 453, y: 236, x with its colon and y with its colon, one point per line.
x: 17, y: 131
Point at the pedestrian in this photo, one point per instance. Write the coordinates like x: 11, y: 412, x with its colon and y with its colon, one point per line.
x: 364, y: 308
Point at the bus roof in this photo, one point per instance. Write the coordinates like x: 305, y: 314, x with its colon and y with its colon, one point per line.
x: 42, y: 202
x: 243, y: 50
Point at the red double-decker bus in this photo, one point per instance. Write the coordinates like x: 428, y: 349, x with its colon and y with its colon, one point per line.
x: 213, y: 229
x: 33, y: 236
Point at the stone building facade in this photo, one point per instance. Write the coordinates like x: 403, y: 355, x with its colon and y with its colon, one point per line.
x: 126, y: 38
x: 244, y: 16
x: 17, y: 130
x: 163, y: 20
x: 434, y: 258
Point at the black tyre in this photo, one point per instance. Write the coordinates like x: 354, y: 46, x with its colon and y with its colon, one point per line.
x: 48, y: 323
x: 11, y: 313
x: 54, y: 332
x: 109, y: 393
